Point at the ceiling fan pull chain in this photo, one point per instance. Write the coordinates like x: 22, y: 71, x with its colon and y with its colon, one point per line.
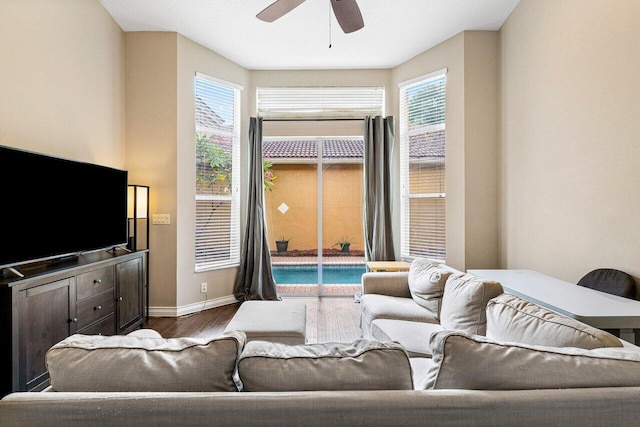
x: 329, y: 25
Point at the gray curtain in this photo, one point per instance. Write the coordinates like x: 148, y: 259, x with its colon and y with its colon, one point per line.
x: 379, y: 136
x: 255, y: 277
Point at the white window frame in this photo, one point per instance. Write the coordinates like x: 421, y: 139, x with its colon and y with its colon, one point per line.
x: 406, y: 195
x: 209, y: 243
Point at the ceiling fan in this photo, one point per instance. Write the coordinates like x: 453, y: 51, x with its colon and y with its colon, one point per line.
x: 347, y: 12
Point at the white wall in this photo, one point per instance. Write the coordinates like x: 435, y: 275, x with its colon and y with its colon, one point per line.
x: 570, y: 137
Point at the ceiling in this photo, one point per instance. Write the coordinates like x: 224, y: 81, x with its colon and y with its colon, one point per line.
x: 394, y: 31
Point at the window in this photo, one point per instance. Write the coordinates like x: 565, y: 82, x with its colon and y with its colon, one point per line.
x: 320, y: 102
x: 422, y: 166
x: 217, y: 140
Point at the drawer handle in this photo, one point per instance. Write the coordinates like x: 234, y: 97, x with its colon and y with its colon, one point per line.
x: 97, y: 281
x: 99, y: 307
x: 120, y: 299
x: 74, y: 320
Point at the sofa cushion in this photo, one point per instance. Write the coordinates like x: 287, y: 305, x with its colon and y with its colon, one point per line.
x: 464, y: 303
x: 462, y: 361
x: 510, y: 318
x: 95, y: 363
x: 413, y: 336
x: 426, y: 283
x: 375, y: 306
x: 360, y: 365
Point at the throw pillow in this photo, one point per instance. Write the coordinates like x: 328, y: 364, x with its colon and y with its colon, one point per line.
x: 426, y: 283
x: 92, y: 363
x: 360, y: 365
x: 510, y: 318
x: 462, y: 361
x: 464, y: 303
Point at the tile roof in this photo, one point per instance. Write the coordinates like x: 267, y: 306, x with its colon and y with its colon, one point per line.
x: 348, y: 148
x: 338, y: 148
x: 206, y: 117
x: 431, y: 146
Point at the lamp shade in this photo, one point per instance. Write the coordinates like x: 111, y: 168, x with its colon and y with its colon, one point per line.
x: 142, y: 210
x: 137, y: 201
x: 131, y: 197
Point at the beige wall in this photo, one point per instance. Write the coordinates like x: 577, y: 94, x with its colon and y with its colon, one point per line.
x: 62, y: 80
x: 481, y: 114
x: 161, y: 68
x: 193, y: 58
x: 570, y: 136
x: 151, y: 92
x: 471, y: 143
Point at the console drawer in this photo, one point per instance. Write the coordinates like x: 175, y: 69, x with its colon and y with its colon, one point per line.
x: 94, y: 308
x: 106, y: 326
x: 94, y: 282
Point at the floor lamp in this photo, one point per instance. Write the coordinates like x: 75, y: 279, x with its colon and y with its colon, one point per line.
x: 138, y: 221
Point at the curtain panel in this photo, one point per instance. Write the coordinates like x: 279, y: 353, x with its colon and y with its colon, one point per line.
x: 379, y: 137
x: 255, y: 276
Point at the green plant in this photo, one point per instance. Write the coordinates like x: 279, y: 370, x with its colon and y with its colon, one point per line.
x: 214, y: 164
x: 267, y: 174
x: 283, y: 239
x: 344, y: 241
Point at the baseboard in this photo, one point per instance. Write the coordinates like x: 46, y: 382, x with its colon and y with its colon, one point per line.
x: 191, y: 308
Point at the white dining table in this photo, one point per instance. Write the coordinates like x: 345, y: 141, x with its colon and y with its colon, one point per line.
x: 595, y: 308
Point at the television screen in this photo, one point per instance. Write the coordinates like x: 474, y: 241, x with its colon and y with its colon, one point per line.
x: 54, y: 207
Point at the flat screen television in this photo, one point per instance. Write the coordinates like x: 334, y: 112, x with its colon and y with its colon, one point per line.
x: 54, y: 208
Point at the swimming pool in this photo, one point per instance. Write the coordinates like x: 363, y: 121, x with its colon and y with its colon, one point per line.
x: 308, y: 274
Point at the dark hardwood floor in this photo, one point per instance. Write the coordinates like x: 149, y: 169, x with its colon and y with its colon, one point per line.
x: 329, y: 319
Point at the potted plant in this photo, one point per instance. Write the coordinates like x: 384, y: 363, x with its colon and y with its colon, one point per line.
x: 282, y: 244
x: 344, y: 243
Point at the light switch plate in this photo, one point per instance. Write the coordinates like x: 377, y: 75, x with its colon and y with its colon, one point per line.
x: 162, y: 219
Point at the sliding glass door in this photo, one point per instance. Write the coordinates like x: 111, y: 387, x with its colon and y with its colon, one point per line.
x: 313, y: 197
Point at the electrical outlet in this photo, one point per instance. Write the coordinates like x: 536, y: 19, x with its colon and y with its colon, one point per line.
x: 203, y: 287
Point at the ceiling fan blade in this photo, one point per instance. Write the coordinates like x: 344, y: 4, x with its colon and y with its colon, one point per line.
x: 348, y: 15
x: 277, y: 9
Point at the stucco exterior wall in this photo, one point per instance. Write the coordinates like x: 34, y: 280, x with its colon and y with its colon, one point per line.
x: 296, y: 185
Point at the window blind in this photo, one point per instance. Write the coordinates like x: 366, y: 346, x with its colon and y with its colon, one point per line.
x: 319, y: 102
x: 422, y: 167
x: 217, y: 139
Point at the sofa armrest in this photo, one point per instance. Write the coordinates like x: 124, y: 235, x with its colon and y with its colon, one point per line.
x: 395, y: 284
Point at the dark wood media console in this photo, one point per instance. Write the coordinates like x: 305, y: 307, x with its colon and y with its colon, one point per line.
x: 96, y: 293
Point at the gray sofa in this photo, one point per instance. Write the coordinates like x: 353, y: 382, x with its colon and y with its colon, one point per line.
x: 479, y: 357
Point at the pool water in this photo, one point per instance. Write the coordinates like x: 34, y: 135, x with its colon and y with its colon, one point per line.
x: 308, y: 274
